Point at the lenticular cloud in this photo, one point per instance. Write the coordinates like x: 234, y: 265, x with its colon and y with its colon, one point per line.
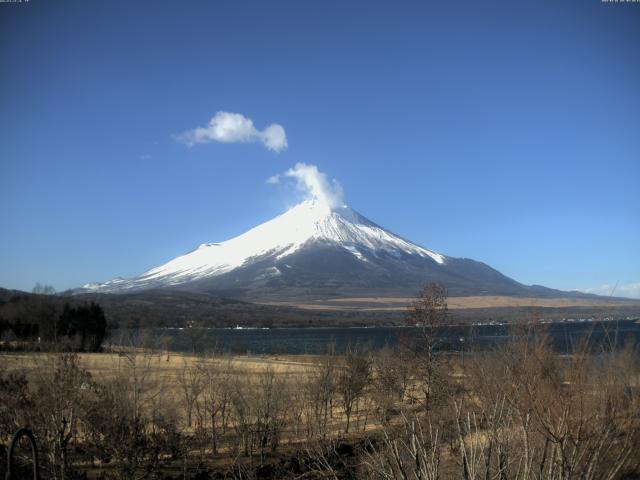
x: 226, y: 127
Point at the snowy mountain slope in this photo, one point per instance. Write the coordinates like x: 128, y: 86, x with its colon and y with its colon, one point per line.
x: 315, y: 250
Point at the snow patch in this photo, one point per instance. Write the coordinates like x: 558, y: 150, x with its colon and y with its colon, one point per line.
x: 356, y: 253
x: 268, y: 273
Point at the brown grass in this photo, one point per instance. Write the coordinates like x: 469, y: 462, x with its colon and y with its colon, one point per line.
x: 165, y: 365
x: 454, y: 303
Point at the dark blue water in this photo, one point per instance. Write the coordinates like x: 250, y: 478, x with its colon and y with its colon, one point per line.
x: 564, y: 337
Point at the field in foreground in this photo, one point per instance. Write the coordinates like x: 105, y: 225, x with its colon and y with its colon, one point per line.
x: 519, y: 412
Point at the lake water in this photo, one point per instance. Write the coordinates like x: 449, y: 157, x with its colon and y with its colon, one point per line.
x: 563, y: 335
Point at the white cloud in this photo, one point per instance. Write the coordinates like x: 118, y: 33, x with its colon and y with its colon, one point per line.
x: 272, y: 180
x: 629, y: 290
x: 313, y: 183
x: 274, y: 137
x: 226, y: 127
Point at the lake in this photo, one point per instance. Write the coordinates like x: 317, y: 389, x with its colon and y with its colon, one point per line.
x: 564, y: 335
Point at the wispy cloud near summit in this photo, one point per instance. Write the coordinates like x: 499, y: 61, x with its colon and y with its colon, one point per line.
x: 226, y: 127
x: 314, y: 184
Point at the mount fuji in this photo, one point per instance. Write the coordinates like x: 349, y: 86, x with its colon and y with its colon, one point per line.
x: 315, y: 250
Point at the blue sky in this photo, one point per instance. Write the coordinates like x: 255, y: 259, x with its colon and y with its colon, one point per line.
x: 507, y: 132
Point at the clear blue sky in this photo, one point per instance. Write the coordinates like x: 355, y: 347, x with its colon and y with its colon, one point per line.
x: 507, y: 132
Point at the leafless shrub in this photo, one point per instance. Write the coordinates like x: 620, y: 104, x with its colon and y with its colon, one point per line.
x: 125, y: 424
x: 62, y: 390
x: 534, y: 414
x: 16, y: 406
x: 409, y: 451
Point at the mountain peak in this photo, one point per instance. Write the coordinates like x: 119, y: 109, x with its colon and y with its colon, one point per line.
x: 309, y: 223
x: 315, y: 210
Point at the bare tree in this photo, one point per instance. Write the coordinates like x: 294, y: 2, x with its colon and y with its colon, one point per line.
x: 216, y: 395
x: 271, y: 409
x: 320, y: 388
x: 429, y: 313
x: 391, y: 375
x: 243, y: 413
x: 191, y: 382
x: 43, y: 289
x: 353, y: 377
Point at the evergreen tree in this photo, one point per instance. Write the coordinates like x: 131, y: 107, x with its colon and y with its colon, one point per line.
x: 85, y: 326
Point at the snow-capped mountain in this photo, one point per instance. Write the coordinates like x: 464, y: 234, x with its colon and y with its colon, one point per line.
x: 315, y: 250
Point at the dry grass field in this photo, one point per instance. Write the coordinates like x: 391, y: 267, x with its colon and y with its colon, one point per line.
x: 164, y: 370
x: 390, y: 304
x: 165, y: 365
x: 176, y: 376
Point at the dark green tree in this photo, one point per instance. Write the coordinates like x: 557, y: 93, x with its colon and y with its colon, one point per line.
x: 85, y: 326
